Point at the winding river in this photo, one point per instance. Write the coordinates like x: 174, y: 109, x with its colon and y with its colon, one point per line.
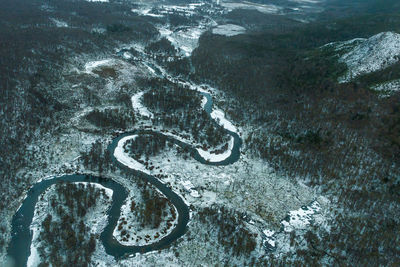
x: 19, y: 248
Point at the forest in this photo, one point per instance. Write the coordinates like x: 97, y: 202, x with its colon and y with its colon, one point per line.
x: 33, y: 53
x: 64, y: 237
x: 109, y: 118
x: 179, y: 108
x: 232, y: 234
x: 342, y: 140
x: 308, y: 125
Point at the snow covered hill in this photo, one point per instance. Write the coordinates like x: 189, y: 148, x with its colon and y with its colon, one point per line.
x: 369, y: 55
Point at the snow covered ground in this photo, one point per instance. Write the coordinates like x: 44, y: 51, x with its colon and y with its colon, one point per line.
x: 184, y: 40
x: 267, y: 9
x: 370, y: 55
x: 236, y: 186
x: 114, y: 73
x: 146, y: 12
x: 228, y: 30
x: 219, y: 116
x: 299, y: 219
x: 96, y: 219
x: 139, y: 107
x: 387, y: 88
x: 124, y: 158
x: 104, y: 1
x: 59, y: 23
x: 136, y: 235
x: 213, y: 157
x: 111, y: 67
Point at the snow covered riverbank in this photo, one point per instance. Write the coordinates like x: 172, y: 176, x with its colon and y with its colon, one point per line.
x: 130, y: 231
x: 96, y: 219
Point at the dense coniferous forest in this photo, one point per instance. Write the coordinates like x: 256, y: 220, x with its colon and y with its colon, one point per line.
x: 145, y: 145
x: 64, y: 237
x: 232, y: 234
x: 116, y: 119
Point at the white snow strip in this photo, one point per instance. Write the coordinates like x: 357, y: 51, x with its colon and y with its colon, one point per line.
x: 307, y: 1
x: 137, y: 105
x: 34, y: 259
x: 146, y: 12
x: 229, y: 30
x: 124, y: 158
x: 266, y: 9
x: 219, y: 116
x: 216, y: 157
x: 127, y: 55
x: 59, y: 23
x: 90, y: 66
x: 203, y: 102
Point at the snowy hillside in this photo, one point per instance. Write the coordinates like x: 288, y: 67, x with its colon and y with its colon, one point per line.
x: 370, y: 55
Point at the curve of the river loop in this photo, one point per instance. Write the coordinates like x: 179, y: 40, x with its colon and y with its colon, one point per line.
x: 21, y: 236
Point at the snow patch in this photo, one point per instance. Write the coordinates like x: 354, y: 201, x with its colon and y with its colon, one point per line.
x: 124, y: 158
x: 189, y: 187
x: 219, y: 116
x: 388, y: 88
x: 92, y: 65
x: 374, y: 54
x: 211, y: 157
x: 138, y: 106
x: 301, y: 218
x: 266, y: 9
x: 229, y: 30
x: 59, y: 23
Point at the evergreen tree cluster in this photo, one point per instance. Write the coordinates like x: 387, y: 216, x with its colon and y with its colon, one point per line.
x: 146, y: 145
x: 171, y: 98
x: 65, y: 239
x: 97, y: 158
x: 231, y: 231
x: 112, y: 118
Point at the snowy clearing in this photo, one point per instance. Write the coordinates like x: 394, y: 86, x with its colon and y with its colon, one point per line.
x: 138, y: 106
x: 267, y: 9
x: 219, y: 116
x: 185, y: 40
x: 59, y: 23
x: 301, y: 218
x: 229, y: 30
